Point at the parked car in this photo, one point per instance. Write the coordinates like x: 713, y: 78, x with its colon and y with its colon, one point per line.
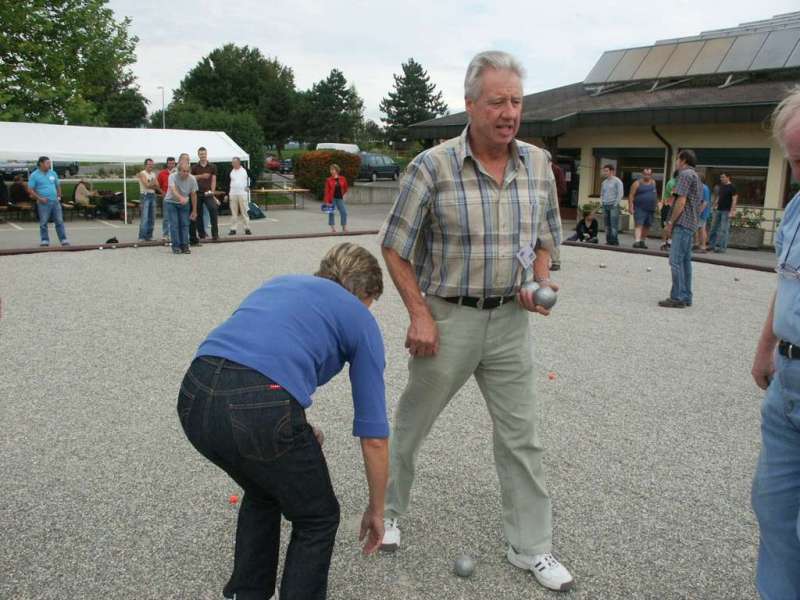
x: 272, y: 164
x: 351, y: 148
x: 375, y: 166
x: 287, y: 165
x: 10, y: 168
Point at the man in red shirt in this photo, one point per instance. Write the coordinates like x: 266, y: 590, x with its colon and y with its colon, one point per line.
x: 163, y: 183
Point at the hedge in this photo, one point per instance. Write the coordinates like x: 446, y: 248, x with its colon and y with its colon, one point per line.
x: 313, y: 168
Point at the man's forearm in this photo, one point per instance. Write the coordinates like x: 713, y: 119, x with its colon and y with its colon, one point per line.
x: 213, y: 183
x: 677, y: 209
x: 402, y: 274
x: 194, y: 202
x: 768, y: 339
x: 541, y: 265
x: 376, y: 465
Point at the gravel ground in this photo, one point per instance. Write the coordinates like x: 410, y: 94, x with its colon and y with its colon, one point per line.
x: 652, y: 430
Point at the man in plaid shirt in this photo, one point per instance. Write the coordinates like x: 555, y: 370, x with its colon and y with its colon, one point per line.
x: 475, y: 217
x: 687, y: 197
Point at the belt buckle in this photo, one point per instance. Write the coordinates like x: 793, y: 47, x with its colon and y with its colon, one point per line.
x: 479, y: 304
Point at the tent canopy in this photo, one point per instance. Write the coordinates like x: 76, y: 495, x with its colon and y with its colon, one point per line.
x: 29, y: 141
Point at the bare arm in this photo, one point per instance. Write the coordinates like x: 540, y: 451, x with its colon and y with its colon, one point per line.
x: 422, y: 338
x: 193, y: 214
x: 177, y: 194
x: 632, y: 195
x: 763, y: 362
x: 733, y: 204
x: 376, y: 465
x: 213, y: 183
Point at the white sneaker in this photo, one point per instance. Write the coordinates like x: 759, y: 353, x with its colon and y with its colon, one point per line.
x: 391, y: 536
x: 547, y: 570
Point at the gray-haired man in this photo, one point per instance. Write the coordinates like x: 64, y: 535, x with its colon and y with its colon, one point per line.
x: 475, y: 217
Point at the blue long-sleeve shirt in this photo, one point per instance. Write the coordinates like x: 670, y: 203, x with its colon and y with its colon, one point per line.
x: 299, y: 330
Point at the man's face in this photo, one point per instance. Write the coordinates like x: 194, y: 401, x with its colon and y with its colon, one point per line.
x: 607, y: 172
x: 792, y: 143
x: 495, y: 115
x: 202, y: 155
x: 235, y: 163
x: 647, y: 174
x: 183, y: 170
x: 46, y: 166
x: 171, y: 164
x: 148, y: 166
x: 724, y: 179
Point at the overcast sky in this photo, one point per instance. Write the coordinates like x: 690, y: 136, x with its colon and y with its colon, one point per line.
x: 558, y: 42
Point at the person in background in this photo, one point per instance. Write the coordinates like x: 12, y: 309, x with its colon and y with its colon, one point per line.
x: 701, y: 239
x: 665, y: 207
x: 181, y: 202
x: 642, y: 202
x: 586, y: 229
x: 148, y: 186
x: 19, y: 195
x: 163, y: 184
x: 206, y: 175
x: 82, y: 196
x: 45, y: 189
x: 776, y: 369
x: 611, y: 193
x: 724, y: 210
x: 335, y: 189
x: 237, y: 197
x: 688, y: 194
x: 243, y: 402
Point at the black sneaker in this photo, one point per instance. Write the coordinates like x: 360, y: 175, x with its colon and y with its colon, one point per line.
x: 670, y: 303
x: 195, y: 243
x: 185, y: 250
x: 248, y: 232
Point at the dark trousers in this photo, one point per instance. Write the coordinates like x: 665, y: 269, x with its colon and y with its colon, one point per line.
x: 259, y: 436
x: 197, y: 227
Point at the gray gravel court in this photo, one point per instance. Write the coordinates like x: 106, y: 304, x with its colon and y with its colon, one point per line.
x: 652, y: 430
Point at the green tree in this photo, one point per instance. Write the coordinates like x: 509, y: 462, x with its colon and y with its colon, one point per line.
x: 126, y: 109
x: 331, y: 111
x: 241, y: 79
x: 65, y: 61
x: 414, y: 99
x: 241, y: 126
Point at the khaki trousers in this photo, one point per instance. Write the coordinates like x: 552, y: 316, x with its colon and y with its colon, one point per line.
x: 239, y: 208
x: 495, y: 347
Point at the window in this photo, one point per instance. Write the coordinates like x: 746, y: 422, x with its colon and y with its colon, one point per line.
x: 747, y: 168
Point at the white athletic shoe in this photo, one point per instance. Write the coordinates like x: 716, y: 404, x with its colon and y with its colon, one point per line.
x: 391, y: 536
x: 547, y: 570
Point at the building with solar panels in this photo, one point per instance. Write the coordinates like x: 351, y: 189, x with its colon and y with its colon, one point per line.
x: 637, y: 107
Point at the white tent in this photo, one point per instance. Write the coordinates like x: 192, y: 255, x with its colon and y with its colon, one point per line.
x: 29, y: 141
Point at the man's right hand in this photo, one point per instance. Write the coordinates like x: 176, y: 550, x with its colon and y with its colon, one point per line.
x: 371, y: 531
x: 763, y: 368
x: 422, y: 338
x: 42, y: 200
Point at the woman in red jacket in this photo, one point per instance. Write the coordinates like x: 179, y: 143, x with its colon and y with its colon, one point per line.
x: 335, y: 189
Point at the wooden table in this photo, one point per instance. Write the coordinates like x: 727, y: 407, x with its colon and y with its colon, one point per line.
x: 293, y: 191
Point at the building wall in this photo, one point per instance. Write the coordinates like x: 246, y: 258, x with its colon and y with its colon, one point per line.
x: 739, y: 135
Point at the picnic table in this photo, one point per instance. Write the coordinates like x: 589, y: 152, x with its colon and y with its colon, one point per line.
x: 284, y: 191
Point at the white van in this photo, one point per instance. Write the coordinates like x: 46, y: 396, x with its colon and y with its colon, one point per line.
x: 351, y: 148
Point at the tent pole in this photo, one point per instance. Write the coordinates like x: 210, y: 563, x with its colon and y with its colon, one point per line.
x: 125, y: 191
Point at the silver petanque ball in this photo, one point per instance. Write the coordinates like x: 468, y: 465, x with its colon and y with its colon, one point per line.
x: 531, y: 286
x: 464, y: 565
x: 545, y: 297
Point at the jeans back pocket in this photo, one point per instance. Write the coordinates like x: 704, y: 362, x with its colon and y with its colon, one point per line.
x: 261, y: 423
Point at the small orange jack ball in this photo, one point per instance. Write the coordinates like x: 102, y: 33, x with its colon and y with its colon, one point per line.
x: 233, y: 499
x: 552, y: 375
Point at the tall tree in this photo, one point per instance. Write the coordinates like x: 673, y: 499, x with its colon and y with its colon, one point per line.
x: 240, y: 78
x: 65, y: 61
x: 414, y: 99
x: 332, y: 110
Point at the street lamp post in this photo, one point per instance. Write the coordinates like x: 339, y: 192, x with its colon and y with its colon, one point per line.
x: 163, y: 114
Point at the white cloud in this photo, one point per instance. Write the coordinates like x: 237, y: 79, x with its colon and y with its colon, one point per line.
x: 557, y: 42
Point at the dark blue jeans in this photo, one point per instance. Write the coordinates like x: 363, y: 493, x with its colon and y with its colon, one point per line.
x: 257, y: 433
x: 680, y: 262
x: 611, y: 223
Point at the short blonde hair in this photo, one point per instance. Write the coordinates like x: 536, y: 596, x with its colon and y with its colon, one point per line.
x: 785, y: 112
x: 354, y: 268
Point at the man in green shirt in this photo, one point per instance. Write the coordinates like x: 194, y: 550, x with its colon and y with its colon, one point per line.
x: 665, y: 206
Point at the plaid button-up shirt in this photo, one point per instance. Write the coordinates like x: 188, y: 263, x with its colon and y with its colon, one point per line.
x: 689, y: 185
x: 460, y: 230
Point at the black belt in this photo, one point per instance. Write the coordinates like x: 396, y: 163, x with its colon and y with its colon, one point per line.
x: 480, y: 303
x: 788, y: 350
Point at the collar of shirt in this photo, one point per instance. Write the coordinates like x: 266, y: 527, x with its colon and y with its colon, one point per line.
x: 464, y: 150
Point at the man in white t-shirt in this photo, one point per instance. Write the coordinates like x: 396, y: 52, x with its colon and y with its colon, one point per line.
x: 238, y: 197
x: 148, y: 186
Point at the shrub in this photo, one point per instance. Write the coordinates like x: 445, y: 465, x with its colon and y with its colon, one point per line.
x: 311, y: 169
x: 748, y: 218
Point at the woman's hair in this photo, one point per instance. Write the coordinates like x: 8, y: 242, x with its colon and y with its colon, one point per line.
x: 354, y: 268
x: 335, y: 166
